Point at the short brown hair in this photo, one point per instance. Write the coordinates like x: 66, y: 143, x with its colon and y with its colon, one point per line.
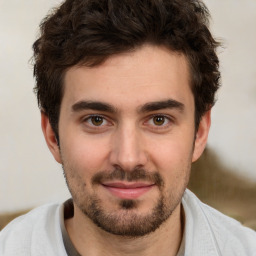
x: 87, y: 32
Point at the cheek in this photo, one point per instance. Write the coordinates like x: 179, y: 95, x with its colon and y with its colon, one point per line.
x: 172, y: 156
x: 84, y: 155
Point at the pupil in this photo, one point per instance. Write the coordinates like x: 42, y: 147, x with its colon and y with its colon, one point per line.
x: 97, y: 120
x: 158, y: 120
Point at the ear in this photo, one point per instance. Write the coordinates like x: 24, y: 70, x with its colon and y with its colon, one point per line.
x: 202, y: 135
x: 50, y: 138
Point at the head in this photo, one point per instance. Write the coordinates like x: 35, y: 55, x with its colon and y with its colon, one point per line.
x: 126, y: 88
x: 89, y: 32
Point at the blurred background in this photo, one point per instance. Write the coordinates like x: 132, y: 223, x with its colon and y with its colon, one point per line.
x: 225, y: 176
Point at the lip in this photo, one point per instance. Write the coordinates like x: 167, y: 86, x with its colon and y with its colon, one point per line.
x: 128, y: 190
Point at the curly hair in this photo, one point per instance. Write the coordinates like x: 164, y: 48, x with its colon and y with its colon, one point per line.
x: 87, y: 32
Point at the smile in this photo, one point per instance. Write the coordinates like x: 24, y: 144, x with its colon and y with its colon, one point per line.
x: 128, y: 190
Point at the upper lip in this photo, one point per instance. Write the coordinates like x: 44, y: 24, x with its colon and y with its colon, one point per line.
x: 127, y: 185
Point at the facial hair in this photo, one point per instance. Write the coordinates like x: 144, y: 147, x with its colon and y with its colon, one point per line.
x: 127, y: 221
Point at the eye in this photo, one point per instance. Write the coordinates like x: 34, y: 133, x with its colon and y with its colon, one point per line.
x: 159, y: 122
x: 96, y: 120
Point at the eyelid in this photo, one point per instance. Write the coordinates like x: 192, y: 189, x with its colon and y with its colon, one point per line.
x: 88, y: 117
x: 168, y: 117
x: 109, y: 122
x: 161, y: 115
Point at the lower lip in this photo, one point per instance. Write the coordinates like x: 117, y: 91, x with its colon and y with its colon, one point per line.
x: 128, y: 193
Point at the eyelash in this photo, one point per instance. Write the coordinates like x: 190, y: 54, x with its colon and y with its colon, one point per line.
x: 168, y: 119
x: 89, y: 119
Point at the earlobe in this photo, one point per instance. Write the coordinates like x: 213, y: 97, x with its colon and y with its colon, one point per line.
x: 202, y: 135
x: 50, y: 137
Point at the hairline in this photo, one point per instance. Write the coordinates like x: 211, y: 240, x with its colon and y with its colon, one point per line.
x: 103, y: 59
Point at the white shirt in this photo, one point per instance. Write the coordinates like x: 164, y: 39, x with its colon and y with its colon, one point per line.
x: 207, y: 233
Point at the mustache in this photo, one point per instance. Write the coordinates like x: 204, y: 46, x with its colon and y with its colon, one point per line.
x: 137, y: 174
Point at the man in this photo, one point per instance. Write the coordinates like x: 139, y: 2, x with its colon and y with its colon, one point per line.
x: 125, y: 90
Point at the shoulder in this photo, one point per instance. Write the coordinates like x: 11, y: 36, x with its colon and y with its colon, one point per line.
x: 32, y: 231
x: 29, y: 218
x: 228, y: 234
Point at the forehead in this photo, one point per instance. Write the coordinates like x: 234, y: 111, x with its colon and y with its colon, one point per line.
x: 148, y: 74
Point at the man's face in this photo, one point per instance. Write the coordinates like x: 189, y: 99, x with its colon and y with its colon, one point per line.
x: 127, y: 135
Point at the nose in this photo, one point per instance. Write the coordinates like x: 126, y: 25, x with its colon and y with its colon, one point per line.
x: 128, y: 150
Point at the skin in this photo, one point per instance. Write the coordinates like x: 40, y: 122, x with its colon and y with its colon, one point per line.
x: 130, y: 135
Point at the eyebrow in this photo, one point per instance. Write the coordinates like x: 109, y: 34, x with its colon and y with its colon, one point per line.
x: 93, y: 105
x: 158, y: 105
x: 148, y: 107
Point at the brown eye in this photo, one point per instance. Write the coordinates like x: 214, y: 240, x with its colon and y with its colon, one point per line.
x: 158, y: 120
x: 97, y: 120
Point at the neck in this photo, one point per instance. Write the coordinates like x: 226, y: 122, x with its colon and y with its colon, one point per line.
x: 91, y: 240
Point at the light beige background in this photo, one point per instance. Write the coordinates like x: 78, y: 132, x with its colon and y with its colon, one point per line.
x: 28, y: 174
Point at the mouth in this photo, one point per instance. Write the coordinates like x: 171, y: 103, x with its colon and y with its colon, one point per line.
x: 128, y: 190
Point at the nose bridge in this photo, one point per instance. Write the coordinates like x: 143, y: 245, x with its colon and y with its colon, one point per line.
x: 128, y: 151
